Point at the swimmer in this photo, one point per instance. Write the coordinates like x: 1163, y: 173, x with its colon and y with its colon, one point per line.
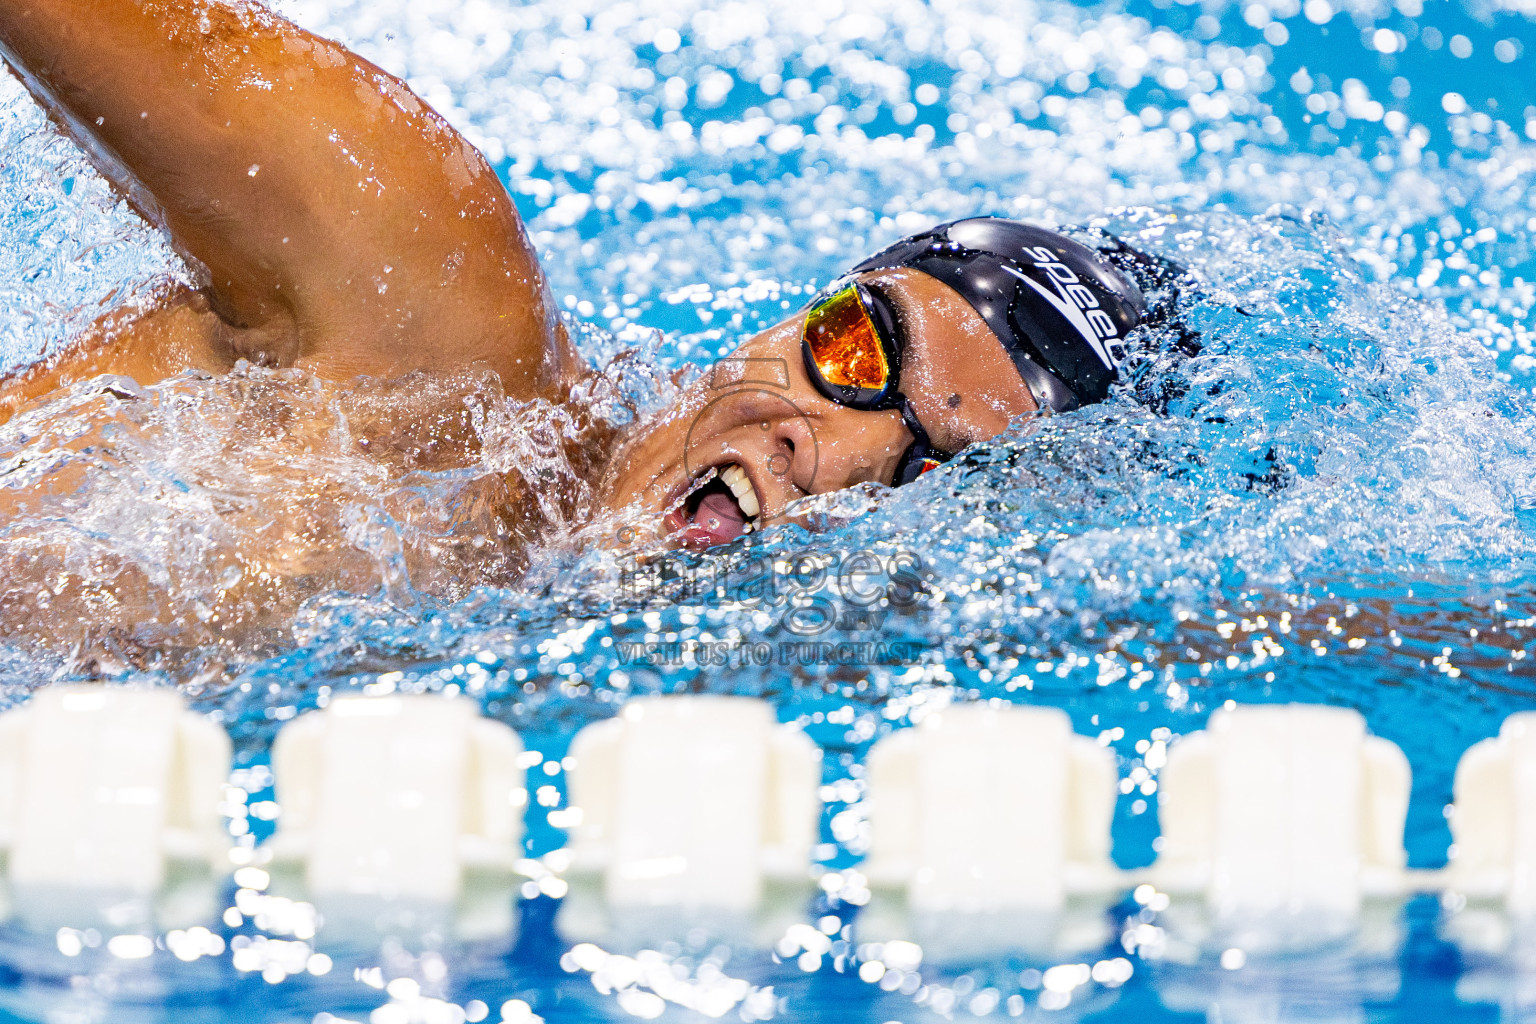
x: 340, y: 226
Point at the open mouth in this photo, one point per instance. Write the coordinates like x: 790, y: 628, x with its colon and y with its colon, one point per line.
x: 720, y: 506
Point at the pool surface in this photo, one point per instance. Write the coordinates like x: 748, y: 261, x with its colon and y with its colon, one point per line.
x: 1346, y: 468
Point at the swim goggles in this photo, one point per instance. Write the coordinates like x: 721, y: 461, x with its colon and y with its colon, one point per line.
x: 852, y: 350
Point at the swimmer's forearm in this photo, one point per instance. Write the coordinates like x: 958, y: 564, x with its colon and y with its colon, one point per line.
x: 318, y: 191
x: 144, y: 345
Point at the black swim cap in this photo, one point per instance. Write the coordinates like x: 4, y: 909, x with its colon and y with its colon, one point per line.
x: 1061, y: 309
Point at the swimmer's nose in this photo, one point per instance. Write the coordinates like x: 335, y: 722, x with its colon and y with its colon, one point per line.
x: 792, y: 456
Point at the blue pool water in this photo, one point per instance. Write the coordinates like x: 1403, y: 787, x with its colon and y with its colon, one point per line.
x: 1354, y: 445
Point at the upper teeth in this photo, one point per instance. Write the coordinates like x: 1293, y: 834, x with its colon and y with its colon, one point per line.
x: 736, y: 479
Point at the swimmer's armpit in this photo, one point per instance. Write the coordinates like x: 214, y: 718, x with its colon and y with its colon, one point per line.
x: 341, y: 221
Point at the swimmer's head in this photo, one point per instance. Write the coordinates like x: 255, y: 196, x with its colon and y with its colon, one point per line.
x: 930, y: 345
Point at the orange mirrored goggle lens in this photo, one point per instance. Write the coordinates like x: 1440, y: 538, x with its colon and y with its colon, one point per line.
x: 845, y: 346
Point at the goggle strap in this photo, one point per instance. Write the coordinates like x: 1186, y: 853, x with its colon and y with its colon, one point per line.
x: 920, y: 433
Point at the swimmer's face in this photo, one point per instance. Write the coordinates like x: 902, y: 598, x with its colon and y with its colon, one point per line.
x: 753, y: 434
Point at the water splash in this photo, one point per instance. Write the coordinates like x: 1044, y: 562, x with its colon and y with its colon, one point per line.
x: 160, y: 527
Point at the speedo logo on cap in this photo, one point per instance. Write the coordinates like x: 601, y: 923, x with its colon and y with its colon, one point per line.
x: 1077, y: 304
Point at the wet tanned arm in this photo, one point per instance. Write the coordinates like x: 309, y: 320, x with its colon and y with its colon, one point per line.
x: 178, y: 334
x: 344, y: 226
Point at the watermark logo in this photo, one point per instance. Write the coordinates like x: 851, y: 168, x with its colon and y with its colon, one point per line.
x: 761, y: 653
x: 812, y: 607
